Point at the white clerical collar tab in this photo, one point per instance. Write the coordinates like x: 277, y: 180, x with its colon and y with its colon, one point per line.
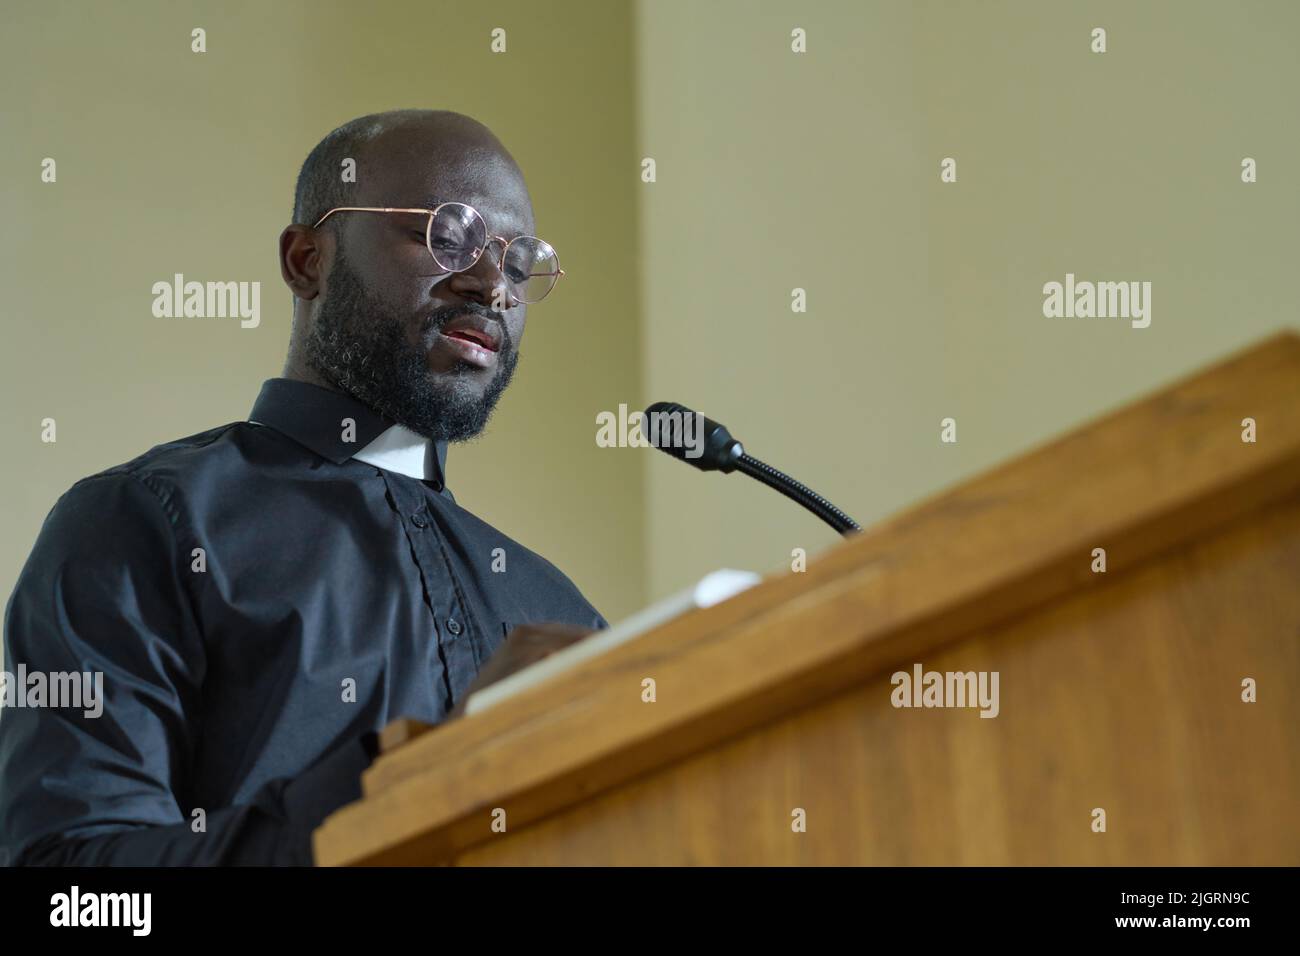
x: 401, y: 450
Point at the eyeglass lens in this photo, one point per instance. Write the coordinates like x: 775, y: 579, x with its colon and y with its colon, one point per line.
x: 458, y: 236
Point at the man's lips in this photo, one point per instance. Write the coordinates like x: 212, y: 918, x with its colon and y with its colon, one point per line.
x: 475, y: 329
x: 466, y: 349
x: 474, y: 336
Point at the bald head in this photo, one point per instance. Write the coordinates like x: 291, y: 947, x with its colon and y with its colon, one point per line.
x: 374, y: 315
x: 422, y: 136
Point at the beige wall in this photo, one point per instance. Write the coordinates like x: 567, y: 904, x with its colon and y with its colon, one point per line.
x: 171, y: 161
x: 821, y: 171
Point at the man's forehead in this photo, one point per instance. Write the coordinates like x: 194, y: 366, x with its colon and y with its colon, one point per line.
x: 503, y: 216
x: 489, y: 185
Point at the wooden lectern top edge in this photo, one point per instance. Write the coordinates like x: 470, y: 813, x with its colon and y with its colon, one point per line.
x: 1189, y: 403
x: 1135, y: 481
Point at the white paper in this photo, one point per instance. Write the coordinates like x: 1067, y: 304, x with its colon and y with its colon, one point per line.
x: 711, y: 589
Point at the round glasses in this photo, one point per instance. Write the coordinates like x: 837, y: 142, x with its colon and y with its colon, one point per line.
x: 455, y: 235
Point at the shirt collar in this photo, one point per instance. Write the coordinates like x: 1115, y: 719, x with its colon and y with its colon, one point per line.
x: 313, y: 416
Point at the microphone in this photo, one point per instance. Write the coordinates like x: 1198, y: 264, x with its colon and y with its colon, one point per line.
x: 718, y: 451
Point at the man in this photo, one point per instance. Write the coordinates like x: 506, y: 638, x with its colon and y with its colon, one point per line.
x: 261, y: 598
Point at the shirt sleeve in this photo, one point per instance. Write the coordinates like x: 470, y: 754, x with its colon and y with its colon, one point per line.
x: 105, y: 592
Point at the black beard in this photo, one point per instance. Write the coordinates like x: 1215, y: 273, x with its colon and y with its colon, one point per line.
x: 364, y: 352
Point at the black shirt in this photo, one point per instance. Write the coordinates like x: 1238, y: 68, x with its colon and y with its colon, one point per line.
x: 259, y: 604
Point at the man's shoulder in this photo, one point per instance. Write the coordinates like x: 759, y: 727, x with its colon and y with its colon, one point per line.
x: 171, y: 465
x: 129, y: 511
x: 202, y: 450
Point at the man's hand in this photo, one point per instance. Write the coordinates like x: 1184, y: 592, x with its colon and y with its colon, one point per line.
x: 527, y: 644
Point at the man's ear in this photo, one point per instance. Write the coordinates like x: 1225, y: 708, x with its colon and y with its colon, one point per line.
x: 300, y: 260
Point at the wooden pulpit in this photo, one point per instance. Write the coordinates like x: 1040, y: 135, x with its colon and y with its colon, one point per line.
x: 1134, y: 585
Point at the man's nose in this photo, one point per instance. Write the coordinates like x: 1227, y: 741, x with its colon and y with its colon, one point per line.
x: 483, y: 281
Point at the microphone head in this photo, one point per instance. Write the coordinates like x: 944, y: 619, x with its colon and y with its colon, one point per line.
x: 690, y: 437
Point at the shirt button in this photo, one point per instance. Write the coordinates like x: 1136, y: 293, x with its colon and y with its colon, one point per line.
x: 419, y: 520
x: 453, y: 625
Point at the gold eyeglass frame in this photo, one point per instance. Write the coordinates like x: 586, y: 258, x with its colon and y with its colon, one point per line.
x: 428, y: 242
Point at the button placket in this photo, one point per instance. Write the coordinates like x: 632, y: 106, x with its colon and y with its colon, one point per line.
x: 412, y: 509
x: 442, y: 591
